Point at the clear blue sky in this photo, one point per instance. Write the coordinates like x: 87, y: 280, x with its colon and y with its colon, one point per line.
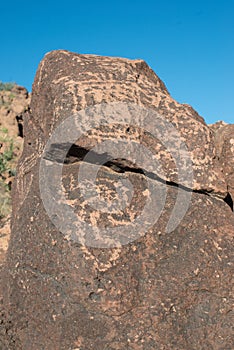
x: 188, y: 43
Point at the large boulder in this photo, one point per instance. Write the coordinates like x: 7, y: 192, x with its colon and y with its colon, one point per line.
x: 94, y: 277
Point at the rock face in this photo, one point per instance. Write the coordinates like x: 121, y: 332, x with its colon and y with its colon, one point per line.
x: 14, y: 101
x: 224, y: 142
x: 149, y: 286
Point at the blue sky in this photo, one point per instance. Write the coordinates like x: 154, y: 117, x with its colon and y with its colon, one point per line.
x: 189, y: 44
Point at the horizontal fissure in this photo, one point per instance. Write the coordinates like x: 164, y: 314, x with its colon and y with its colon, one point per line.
x: 70, y: 153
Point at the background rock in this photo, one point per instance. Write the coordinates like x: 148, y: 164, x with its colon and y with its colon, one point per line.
x: 164, y: 290
x: 14, y: 101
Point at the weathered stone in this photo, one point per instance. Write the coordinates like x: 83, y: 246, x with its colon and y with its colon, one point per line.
x: 224, y: 142
x: 162, y: 290
x: 66, y: 83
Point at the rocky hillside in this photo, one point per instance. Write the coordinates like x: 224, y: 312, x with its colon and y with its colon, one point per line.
x: 137, y: 251
x: 14, y: 101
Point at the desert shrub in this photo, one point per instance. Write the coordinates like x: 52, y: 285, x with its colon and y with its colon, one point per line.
x: 5, y: 157
x: 5, y: 200
x: 8, y: 153
x: 6, y: 86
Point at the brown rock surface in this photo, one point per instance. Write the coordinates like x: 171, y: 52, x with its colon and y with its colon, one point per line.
x: 78, y: 81
x: 162, y: 290
x: 224, y: 143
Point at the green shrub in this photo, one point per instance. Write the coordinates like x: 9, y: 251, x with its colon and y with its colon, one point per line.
x: 8, y: 153
x: 7, y: 169
x: 5, y: 200
x: 6, y: 157
x: 4, y: 130
x: 6, y: 86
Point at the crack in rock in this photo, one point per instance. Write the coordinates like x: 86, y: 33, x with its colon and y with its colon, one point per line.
x: 58, y: 153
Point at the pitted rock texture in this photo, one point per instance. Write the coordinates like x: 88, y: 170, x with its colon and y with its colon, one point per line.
x: 163, y: 290
x: 78, y: 81
x: 224, y: 142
